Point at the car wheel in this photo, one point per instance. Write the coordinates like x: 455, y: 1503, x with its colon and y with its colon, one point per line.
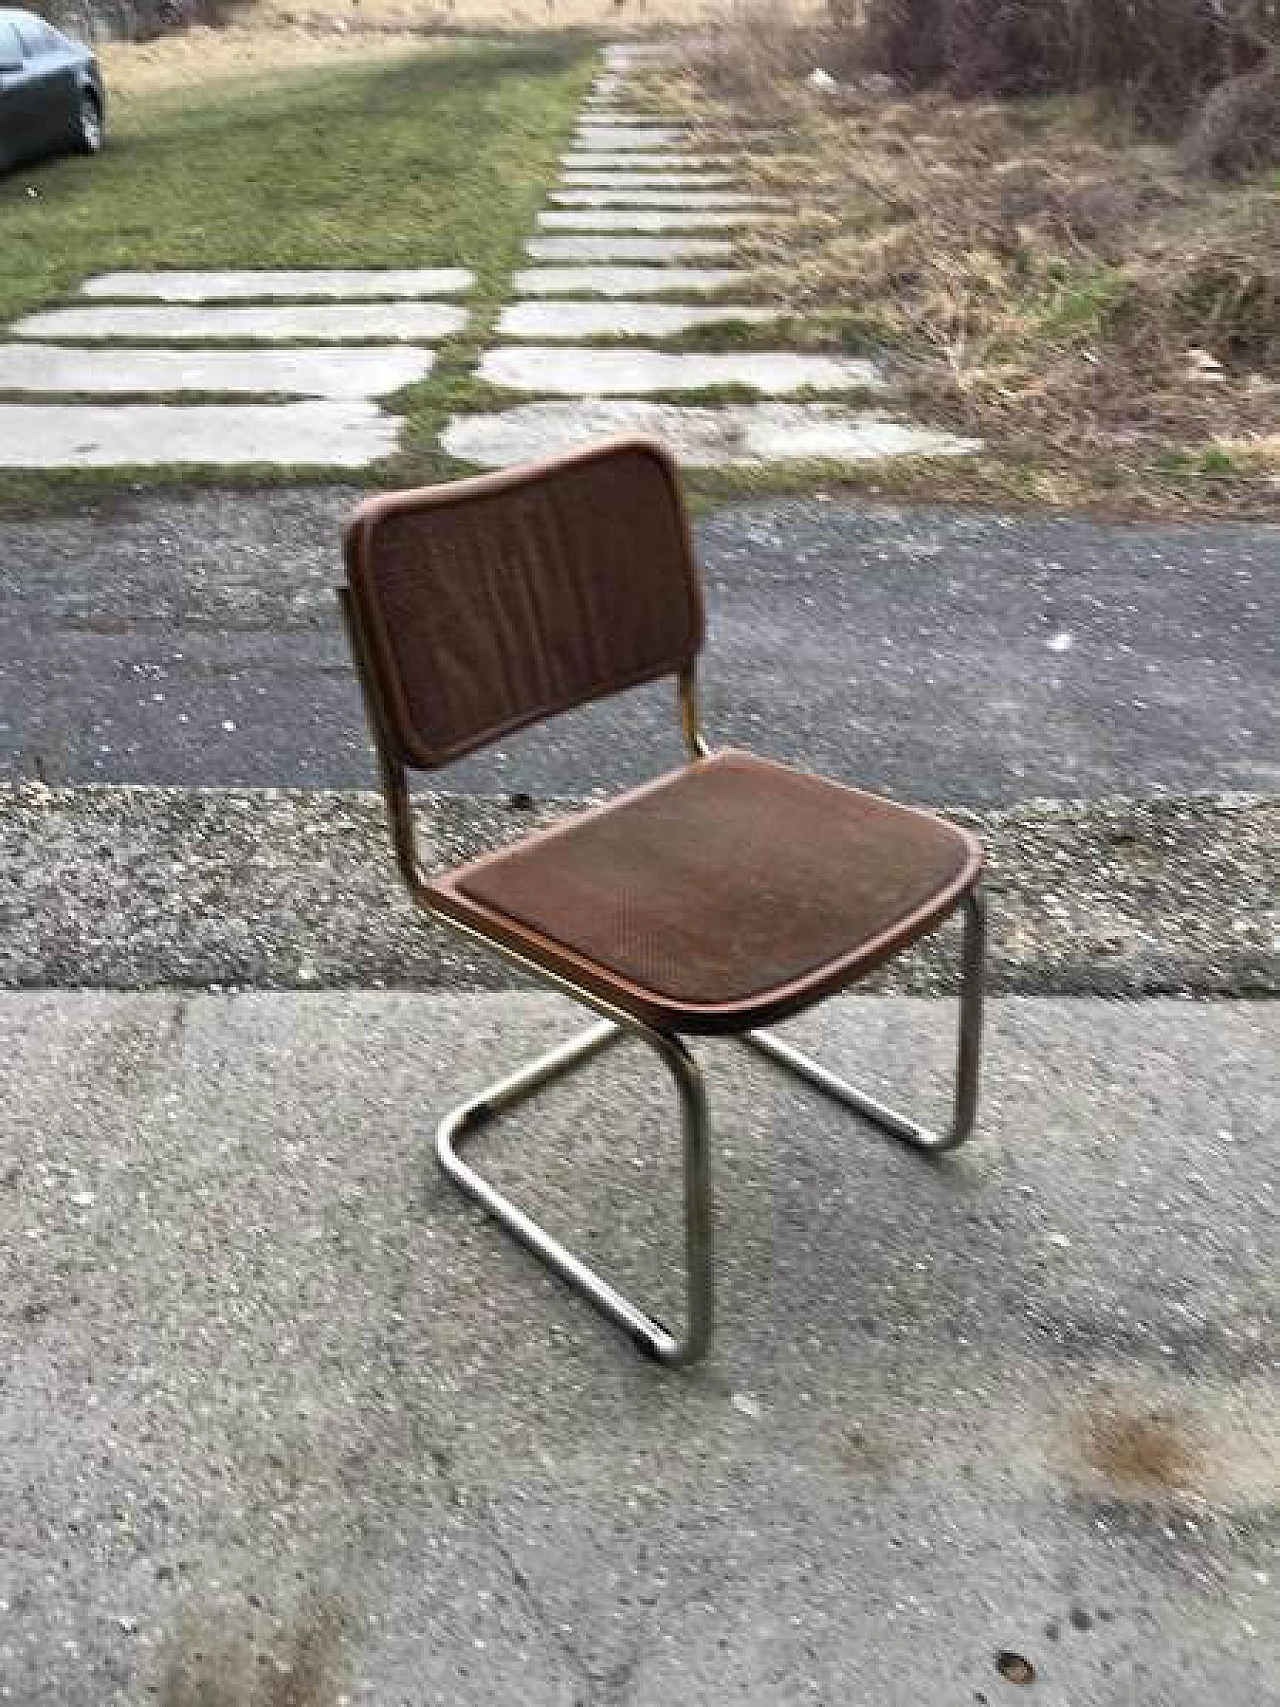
x: 89, y: 127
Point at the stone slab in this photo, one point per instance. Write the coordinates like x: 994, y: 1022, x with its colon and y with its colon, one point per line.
x: 622, y: 58
x: 735, y: 435
x: 624, y: 281
x: 328, y: 434
x: 370, y: 371
x: 314, y: 322
x: 648, y: 180
x: 620, y: 319
x: 346, y: 285
x: 560, y: 372
x: 593, y: 160
x: 679, y: 199
x: 607, y: 250
x: 656, y: 220
x: 604, y: 115
x: 610, y: 139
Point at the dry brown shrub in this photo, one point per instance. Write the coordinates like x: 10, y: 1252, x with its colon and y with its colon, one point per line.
x: 758, y: 51
x: 1238, y: 128
x: 1037, y: 281
x: 1160, y: 57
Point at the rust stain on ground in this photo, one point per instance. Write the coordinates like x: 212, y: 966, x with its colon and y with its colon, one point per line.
x: 1141, y: 1451
x: 211, y: 1663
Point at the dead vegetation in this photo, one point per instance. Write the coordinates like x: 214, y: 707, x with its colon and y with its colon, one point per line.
x: 201, y: 55
x: 1158, y: 58
x: 1050, y: 275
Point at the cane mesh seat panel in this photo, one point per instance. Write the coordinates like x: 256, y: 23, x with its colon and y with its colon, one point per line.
x: 496, y: 602
x: 722, y: 896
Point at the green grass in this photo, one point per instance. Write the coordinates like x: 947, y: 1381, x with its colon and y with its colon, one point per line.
x: 436, y: 159
x: 1082, y: 303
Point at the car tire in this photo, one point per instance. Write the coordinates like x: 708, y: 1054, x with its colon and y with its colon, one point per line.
x: 90, y: 133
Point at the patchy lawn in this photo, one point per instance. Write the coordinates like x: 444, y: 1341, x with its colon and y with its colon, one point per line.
x: 619, y: 17
x: 415, y: 157
x: 1108, y: 323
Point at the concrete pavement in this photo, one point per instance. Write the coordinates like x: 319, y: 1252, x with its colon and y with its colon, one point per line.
x: 283, y: 1420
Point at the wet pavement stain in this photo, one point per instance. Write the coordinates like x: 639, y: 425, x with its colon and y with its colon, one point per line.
x: 298, y: 1665
x: 1140, y: 1452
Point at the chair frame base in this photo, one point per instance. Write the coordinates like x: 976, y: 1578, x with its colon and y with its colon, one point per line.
x: 650, y: 1335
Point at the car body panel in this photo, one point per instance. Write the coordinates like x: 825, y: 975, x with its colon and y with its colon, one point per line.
x: 44, y: 76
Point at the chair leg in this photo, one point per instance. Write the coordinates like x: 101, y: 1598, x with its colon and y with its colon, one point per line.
x: 650, y: 1335
x: 966, y: 1085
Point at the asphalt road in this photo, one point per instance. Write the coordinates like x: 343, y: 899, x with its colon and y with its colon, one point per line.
x: 953, y: 656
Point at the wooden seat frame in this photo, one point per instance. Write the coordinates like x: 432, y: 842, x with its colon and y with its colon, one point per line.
x: 690, y: 1343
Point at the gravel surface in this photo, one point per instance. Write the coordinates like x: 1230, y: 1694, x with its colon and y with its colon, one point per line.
x: 134, y: 888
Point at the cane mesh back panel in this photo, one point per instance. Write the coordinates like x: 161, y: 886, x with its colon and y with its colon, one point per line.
x: 491, y: 603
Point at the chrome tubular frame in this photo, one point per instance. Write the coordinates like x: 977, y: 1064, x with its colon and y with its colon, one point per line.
x: 464, y: 1122
x: 649, y: 1335
x: 968, y: 1054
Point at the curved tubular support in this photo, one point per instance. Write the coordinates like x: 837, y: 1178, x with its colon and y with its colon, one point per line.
x: 650, y: 1335
x: 696, y: 744
x: 901, y: 1126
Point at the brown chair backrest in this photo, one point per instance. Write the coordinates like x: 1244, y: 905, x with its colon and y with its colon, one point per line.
x: 488, y: 604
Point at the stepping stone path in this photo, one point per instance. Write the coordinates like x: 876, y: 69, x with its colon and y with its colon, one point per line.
x: 641, y: 214
x: 623, y: 281
x: 335, y: 340
x: 596, y: 161
x: 635, y: 252
x: 641, y: 219
x: 692, y: 199
x: 608, y: 180
x: 610, y: 249
x: 619, y: 319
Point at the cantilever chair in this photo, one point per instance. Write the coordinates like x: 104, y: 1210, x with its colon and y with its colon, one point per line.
x: 717, y: 899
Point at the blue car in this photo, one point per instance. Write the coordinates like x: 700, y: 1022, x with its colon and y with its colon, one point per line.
x: 51, y: 94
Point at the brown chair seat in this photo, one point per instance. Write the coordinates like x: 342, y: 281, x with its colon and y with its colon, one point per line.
x: 722, y: 896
